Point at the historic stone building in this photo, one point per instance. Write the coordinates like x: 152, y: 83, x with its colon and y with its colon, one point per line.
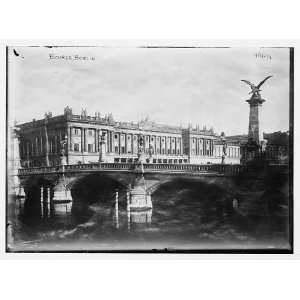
x: 77, y: 139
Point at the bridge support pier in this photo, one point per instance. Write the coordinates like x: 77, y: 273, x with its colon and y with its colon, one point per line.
x: 62, y: 199
x: 139, y: 198
x: 20, y: 191
x: 61, y: 195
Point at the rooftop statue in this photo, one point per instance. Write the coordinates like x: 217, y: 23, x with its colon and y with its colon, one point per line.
x: 68, y: 110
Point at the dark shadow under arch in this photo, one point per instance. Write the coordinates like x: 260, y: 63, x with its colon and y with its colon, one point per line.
x: 96, y: 187
x: 191, y: 200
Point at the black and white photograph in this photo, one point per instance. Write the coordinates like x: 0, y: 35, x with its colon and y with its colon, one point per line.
x: 149, y: 149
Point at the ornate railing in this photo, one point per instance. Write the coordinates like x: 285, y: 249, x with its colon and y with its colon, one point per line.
x: 181, y: 168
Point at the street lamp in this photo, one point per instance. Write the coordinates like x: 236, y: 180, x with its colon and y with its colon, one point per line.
x: 102, y: 147
x: 140, y: 148
x: 224, y: 148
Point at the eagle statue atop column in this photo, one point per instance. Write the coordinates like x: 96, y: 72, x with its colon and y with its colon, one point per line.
x: 255, y: 89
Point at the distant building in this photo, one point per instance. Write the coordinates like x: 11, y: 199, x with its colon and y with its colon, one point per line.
x: 275, y: 147
x: 78, y: 138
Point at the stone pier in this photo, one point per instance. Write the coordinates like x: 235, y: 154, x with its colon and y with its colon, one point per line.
x: 62, y: 199
x: 139, y: 198
x: 20, y: 192
x: 61, y: 193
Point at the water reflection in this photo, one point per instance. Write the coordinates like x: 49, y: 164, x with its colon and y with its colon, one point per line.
x: 185, y: 215
x: 140, y: 217
x: 117, y: 209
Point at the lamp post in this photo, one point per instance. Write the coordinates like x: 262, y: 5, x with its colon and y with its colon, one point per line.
x: 140, y: 149
x: 63, y: 143
x: 151, y: 152
x: 224, y: 147
x: 102, y: 147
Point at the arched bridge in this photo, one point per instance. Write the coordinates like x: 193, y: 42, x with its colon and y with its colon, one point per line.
x: 140, y: 180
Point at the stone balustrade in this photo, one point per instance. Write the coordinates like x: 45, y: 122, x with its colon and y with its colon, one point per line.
x: 148, y: 167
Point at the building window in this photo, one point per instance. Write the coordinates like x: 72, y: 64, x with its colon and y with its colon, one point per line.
x: 169, y: 151
x: 90, y: 147
x: 123, y: 149
x: 116, y: 149
x: 158, y: 151
x: 90, y: 132
x: 76, y: 131
x: 76, y: 147
x: 162, y: 151
x: 116, y: 136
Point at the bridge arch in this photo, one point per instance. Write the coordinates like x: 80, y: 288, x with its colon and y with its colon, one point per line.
x: 92, y: 188
x: 193, y: 196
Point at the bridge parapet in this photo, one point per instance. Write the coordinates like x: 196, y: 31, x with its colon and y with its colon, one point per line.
x: 182, y: 168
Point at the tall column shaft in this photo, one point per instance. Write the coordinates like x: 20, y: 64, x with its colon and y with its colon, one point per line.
x: 253, y: 131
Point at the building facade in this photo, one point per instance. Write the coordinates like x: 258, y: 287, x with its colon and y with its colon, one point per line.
x: 85, y: 139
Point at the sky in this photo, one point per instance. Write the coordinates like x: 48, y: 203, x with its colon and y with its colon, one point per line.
x: 174, y: 86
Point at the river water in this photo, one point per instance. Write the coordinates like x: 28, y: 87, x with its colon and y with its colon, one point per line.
x: 185, y: 216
